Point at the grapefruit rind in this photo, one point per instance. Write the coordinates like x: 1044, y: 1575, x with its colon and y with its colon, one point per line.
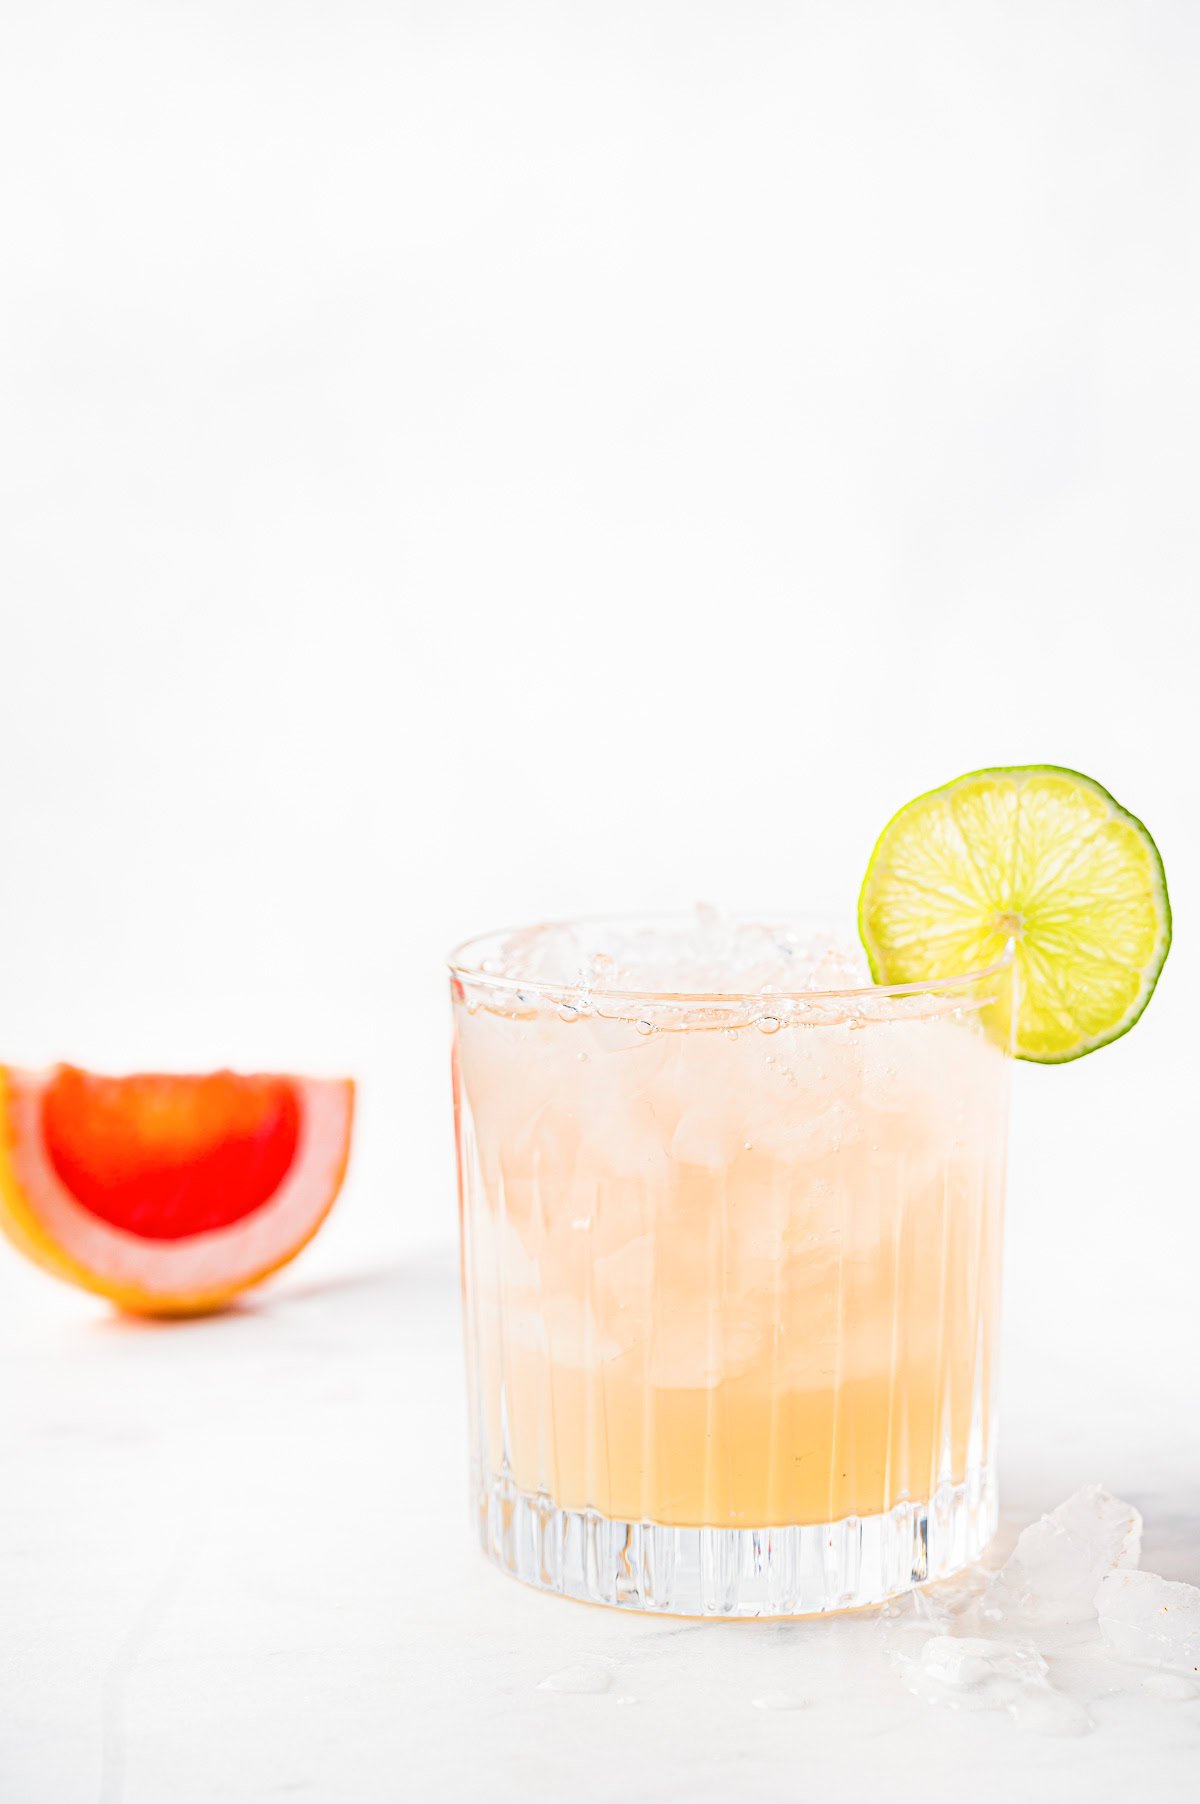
x: 174, y: 1278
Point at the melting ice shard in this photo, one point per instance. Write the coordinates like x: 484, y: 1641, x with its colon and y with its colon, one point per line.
x: 1058, y: 1562
x: 1150, y: 1620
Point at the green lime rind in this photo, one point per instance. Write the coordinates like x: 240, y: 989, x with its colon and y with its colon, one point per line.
x: 998, y: 879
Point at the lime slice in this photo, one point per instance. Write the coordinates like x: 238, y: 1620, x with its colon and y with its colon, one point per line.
x: 1043, y: 856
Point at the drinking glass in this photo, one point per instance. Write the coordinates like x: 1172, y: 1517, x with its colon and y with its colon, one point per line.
x: 730, y: 1275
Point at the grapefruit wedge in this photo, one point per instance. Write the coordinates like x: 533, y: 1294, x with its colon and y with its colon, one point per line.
x: 168, y: 1194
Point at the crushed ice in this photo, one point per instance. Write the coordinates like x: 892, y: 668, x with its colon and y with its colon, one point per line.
x: 1067, y: 1619
x: 1054, y: 1569
x: 1150, y: 1621
x: 704, y: 953
x: 705, y: 969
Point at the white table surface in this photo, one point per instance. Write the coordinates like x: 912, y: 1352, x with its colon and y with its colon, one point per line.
x: 238, y: 1566
x: 476, y: 463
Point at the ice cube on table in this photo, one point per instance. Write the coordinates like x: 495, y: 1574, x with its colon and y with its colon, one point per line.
x: 1150, y: 1621
x: 972, y: 1672
x: 1058, y: 1562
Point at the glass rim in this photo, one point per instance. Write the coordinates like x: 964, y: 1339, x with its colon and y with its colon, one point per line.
x: 556, y: 988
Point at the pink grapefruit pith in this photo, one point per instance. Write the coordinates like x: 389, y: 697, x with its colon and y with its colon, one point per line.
x: 168, y: 1194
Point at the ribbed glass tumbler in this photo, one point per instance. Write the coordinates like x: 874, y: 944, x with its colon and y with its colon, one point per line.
x: 731, y: 1274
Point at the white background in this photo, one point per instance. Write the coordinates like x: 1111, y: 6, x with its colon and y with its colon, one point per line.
x: 465, y: 464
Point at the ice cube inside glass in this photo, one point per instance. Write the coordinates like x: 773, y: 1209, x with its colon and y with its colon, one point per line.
x: 731, y: 1243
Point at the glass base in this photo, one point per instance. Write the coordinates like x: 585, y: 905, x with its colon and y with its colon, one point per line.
x: 802, y: 1571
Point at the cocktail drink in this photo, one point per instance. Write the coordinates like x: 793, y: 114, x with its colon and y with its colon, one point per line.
x: 731, y: 1232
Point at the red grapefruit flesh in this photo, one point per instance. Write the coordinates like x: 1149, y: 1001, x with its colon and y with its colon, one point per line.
x: 168, y: 1194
